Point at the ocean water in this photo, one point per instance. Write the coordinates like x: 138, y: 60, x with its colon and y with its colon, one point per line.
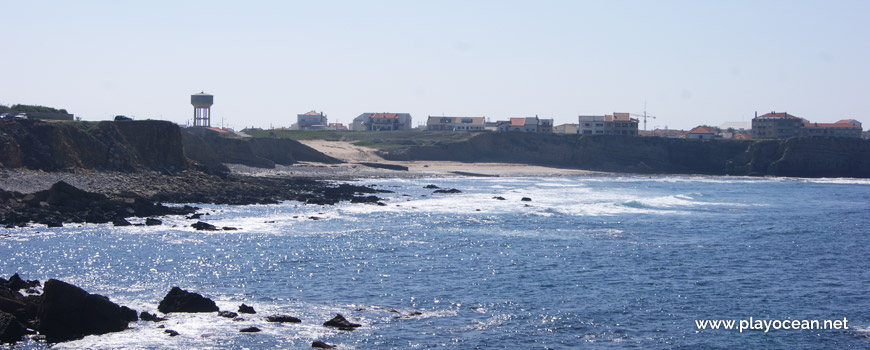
x: 606, y: 262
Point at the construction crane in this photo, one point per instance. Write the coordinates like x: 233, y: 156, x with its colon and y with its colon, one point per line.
x: 644, y: 116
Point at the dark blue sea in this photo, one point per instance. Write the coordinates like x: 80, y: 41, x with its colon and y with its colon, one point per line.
x: 605, y: 261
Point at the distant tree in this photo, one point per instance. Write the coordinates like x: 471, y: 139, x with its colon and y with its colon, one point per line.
x: 36, y: 109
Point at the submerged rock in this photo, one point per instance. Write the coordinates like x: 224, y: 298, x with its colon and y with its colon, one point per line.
x: 341, y: 323
x: 249, y: 330
x: 321, y: 345
x: 227, y: 314
x: 203, y: 226
x: 146, y: 316
x: 283, y: 319
x: 179, y: 300
x: 153, y: 222
x: 452, y: 190
x: 171, y: 333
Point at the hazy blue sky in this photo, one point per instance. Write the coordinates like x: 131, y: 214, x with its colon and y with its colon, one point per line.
x: 693, y: 62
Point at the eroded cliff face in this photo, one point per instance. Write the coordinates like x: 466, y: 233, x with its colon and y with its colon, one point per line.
x: 796, y: 157
x: 207, y: 147
x: 122, y: 146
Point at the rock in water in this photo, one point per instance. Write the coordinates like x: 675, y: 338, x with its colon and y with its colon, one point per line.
x: 10, y: 329
x: 227, y: 314
x: 245, y: 309
x: 249, y: 330
x: 526, y: 199
x: 341, y: 323
x: 152, y: 222
x: 321, y: 345
x: 120, y: 222
x: 179, y: 300
x: 68, y: 312
x: 146, y: 316
x: 202, y: 226
x: 283, y: 319
x: 452, y: 190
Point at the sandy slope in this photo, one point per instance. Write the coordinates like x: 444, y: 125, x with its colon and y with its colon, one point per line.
x: 353, y: 154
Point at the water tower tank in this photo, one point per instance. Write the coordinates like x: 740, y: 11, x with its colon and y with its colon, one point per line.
x: 201, y: 100
x: 201, y: 108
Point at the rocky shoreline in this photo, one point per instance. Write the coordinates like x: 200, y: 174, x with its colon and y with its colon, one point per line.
x: 58, y: 311
x: 55, y: 198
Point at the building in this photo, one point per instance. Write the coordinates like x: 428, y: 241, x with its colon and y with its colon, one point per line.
x: 336, y: 126
x: 566, y: 129
x: 382, y: 122
x: 528, y: 124
x: 591, y: 124
x: 620, y: 124
x: 455, y: 123
x: 784, y: 125
x: 701, y: 133
x: 775, y: 125
x: 311, y: 121
x: 831, y: 129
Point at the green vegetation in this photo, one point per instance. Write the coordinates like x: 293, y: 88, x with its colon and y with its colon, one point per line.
x: 383, y: 140
x: 29, y: 108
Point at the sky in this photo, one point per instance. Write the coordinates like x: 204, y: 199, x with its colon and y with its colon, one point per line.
x: 689, y: 62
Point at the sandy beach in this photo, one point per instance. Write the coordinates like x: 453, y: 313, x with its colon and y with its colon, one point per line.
x: 354, y: 155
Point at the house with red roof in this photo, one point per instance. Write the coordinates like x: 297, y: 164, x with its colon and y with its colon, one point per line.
x: 831, y: 129
x: 702, y: 133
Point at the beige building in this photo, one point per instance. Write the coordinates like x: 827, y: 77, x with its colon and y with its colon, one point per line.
x: 566, y: 129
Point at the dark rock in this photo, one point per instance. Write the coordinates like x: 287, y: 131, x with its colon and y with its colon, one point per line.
x: 16, y: 283
x: 526, y: 199
x: 245, y: 309
x: 365, y: 199
x: 171, y: 333
x: 194, y: 216
x: 119, y: 221
x: 452, y: 190
x: 321, y: 345
x: 153, y: 222
x: 229, y: 228
x: 249, y: 330
x: 145, y: 316
x: 179, y: 300
x: 11, y: 330
x: 202, y: 226
x: 341, y: 323
x: 283, y: 319
x: 431, y: 187
x: 128, y: 314
x: 227, y: 314
x: 68, y: 312
x: 499, y: 198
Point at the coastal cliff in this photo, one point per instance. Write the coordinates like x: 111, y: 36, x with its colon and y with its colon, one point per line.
x: 139, y: 145
x: 121, y: 146
x: 211, y: 148
x: 796, y: 157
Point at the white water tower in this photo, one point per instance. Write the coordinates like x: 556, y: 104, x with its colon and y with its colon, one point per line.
x: 201, y: 108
